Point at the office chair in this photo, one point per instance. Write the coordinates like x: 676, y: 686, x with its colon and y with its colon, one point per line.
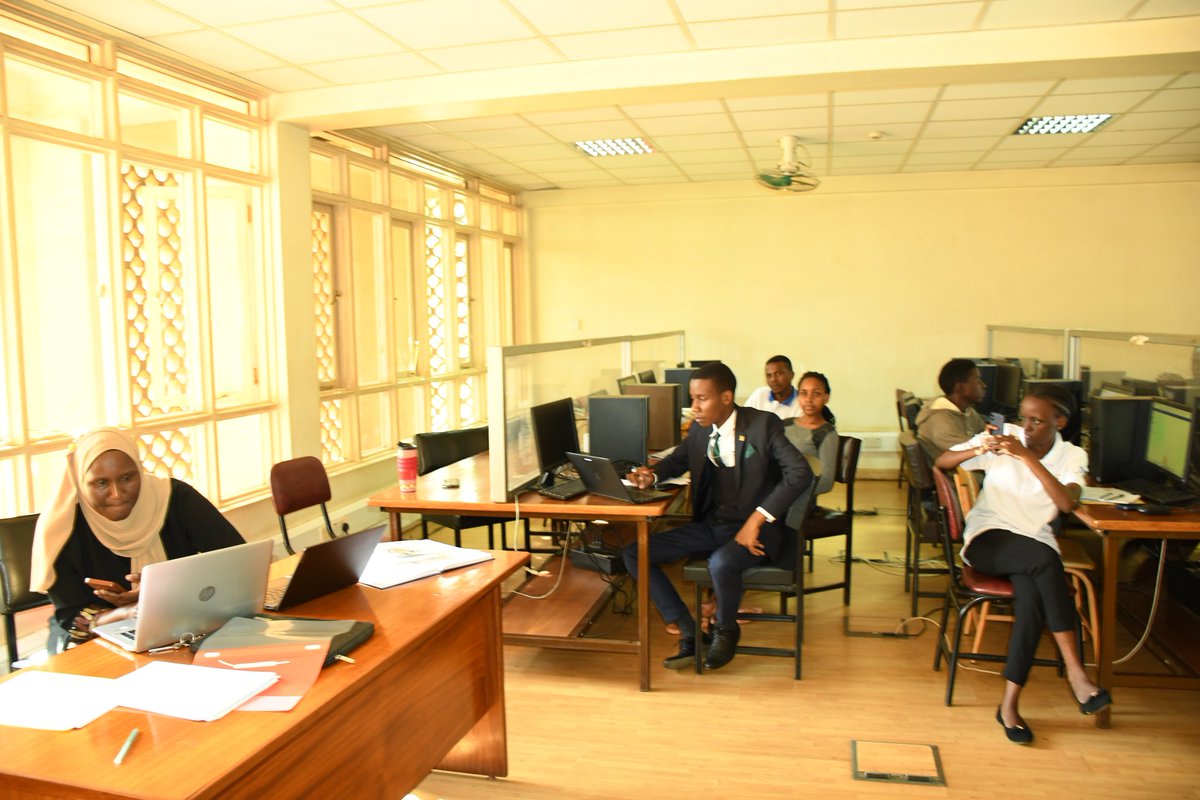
x: 822, y: 523
x: 438, y: 449
x: 16, y: 560
x: 297, y: 484
x: 907, y: 407
x: 922, y: 524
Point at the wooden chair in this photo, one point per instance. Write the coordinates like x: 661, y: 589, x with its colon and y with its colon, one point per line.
x: 788, y: 582
x: 967, y: 589
x: 297, y: 484
x: 921, y: 518
x: 16, y: 559
x: 822, y: 523
x: 438, y: 449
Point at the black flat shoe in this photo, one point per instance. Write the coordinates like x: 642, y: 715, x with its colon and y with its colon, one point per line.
x: 1017, y: 734
x: 1099, y: 701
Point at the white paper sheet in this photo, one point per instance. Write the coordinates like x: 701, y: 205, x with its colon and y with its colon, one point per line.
x: 394, y: 563
x: 54, y: 701
x: 202, y: 694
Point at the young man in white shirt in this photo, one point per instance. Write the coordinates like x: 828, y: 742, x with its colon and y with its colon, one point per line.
x: 779, y: 395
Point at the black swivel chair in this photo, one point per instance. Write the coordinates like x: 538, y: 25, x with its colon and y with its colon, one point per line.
x: 438, y: 449
x: 16, y: 560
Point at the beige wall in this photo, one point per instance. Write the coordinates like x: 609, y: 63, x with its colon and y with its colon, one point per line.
x: 875, y: 281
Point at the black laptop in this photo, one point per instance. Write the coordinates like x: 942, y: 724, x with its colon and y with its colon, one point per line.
x: 601, y: 477
x: 324, y: 568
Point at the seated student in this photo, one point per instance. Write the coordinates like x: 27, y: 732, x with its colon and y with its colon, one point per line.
x: 745, y: 476
x: 814, y: 435
x: 950, y: 419
x: 777, y: 396
x: 108, y: 520
x: 1032, y: 477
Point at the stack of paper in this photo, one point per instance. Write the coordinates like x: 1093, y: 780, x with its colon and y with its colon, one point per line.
x: 53, y: 701
x: 202, y: 694
x: 394, y: 563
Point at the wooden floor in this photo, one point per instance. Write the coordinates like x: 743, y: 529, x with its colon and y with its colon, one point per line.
x: 579, y: 728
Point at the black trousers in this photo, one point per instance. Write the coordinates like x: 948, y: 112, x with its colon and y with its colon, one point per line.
x: 1040, y: 595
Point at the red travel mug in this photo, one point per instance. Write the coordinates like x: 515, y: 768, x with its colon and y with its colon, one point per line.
x: 406, y: 466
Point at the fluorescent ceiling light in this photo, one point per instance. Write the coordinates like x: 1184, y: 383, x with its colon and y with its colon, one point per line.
x: 1067, y: 123
x: 615, y: 147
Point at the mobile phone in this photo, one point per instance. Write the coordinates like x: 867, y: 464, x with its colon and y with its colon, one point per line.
x: 107, y: 586
x: 996, y: 419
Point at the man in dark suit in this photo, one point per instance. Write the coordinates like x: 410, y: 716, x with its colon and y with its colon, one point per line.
x: 745, y: 476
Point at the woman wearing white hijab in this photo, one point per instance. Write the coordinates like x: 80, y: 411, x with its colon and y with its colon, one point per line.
x: 108, y: 520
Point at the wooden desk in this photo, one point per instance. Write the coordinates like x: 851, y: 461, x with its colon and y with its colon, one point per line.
x: 426, y: 691
x: 471, y: 497
x: 1115, y: 527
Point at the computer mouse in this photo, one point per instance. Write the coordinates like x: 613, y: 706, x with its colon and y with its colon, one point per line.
x: 1153, y: 509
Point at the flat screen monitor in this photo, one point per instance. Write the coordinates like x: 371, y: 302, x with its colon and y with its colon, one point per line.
x: 987, y: 373
x: 626, y: 381
x: 700, y: 362
x: 646, y: 376
x: 665, y: 404
x: 1007, y: 391
x: 1142, y: 387
x: 1051, y: 370
x: 1168, y: 440
x: 1114, y: 390
x: 681, y: 376
x: 1094, y: 380
x: 618, y: 426
x: 554, y: 434
x: 1117, y: 436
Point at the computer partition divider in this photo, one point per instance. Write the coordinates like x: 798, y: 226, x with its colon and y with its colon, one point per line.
x: 523, y: 376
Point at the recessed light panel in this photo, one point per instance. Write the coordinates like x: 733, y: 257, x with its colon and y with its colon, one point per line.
x: 1067, y: 123
x: 635, y: 146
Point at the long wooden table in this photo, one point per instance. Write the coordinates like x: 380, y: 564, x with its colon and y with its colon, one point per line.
x: 472, y: 498
x: 1115, y: 527
x: 426, y: 691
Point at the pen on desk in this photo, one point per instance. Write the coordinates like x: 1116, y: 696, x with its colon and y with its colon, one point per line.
x: 347, y: 659
x: 129, y: 740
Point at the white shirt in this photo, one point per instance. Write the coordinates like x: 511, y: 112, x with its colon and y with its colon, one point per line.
x: 1013, y: 499
x: 727, y: 443
x: 763, y: 399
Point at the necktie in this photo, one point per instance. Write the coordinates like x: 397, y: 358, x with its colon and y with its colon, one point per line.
x: 714, y: 449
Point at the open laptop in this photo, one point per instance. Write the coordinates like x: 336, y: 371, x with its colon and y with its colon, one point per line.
x: 324, y: 568
x: 600, y: 477
x: 195, y: 594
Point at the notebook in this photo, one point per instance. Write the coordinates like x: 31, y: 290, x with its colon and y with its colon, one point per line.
x: 601, y: 477
x: 324, y: 568
x: 196, y: 594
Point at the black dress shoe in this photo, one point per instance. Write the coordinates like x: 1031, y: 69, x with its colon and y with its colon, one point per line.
x: 724, y: 646
x: 1018, y: 734
x: 1097, y: 702
x: 687, y: 652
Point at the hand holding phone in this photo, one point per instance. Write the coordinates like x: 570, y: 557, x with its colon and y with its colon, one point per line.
x: 106, y: 586
x: 996, y: 421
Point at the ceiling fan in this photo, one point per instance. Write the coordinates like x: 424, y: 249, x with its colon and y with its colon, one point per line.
x: 790, y: 175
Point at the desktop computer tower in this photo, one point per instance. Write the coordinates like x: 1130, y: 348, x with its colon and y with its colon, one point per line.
x: 1118, y: 437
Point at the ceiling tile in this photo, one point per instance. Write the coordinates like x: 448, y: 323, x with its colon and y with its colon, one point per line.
x: 768, y: 141
x: 961, y: 145
x: 1015, y: 108
x: 699, y: 123
x: 948, y: 167
x: 1157, y: 119
x: 1060, y: 142
x: 940, y: 158
x: 703, y: 141
x: 882, y: 96
x: 907, y: 21
x: 842, y: 162
x: 1121, y: 152
x: 759, y: 32
x: 1187, y: 136
x: 1030, y: 13
x: 1089, y: 103
x: 974, y: 91
x: 1122, y: 83
x: 639, y: 110
x: 472, y: 157
x: 881, y: 114
x: 1105, y: 137
x: 373, y: 68
x: 422, y: 24
x: 138, y: 17
x: 522, y: 152
x: 644, y: 172
x: 234, y: 12
x: 1024, y: 156
x: 1165, y: 8
x: 495, y: 55
x: 615, y: 44
x: 482, y: 123
x: 708, y: 10
x: 705, y: 156
x: 1190, y: 150
x: 219, y: 49
x: 793, y: 118
x: 1188, y: 80
x: 436, y: 142
x: 880, y: 148
x: 553, y: 17
x: 285, y: 79
x: 853, y: 5
x: 570, y: 175
x: 967, y: 128
x: 776, y: 102
x: 1173, y: 100
x: 568, y: 117
x: 998, y: 165
x: 322, y: 37
x: 891, y: 132
x: 505, y: 137
x: 410, y: 129
x: 600, y: 129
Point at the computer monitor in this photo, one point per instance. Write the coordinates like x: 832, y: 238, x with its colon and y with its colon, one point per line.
x: 700, y: 362
x: 987, y: 372
x: 626, y: 381
x: 1117, y: 436
x: 646, y: 376
x: 1074, y: 428
x: 1006, y: 393
x: 1142, y: 387
x: 681, y: 376
x: 1168, y: 442
x: 1050, y: 370
x: 1183, y: 394
x: 554, y: 434
x: 665, y: 404
x: 1094, y: 380
x: 618, y: 426
x: 1108, y: 389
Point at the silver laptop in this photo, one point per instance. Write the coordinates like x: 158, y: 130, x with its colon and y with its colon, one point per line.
x: 324, y: 568
x: 196, y: 594
x: 600, y: 477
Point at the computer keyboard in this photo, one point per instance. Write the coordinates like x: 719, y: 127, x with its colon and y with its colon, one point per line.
x: 565, y: 490
x: 1156, y: 492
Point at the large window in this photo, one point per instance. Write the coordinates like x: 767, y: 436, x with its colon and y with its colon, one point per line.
x: 404, y: 253
x: 133, y: 268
